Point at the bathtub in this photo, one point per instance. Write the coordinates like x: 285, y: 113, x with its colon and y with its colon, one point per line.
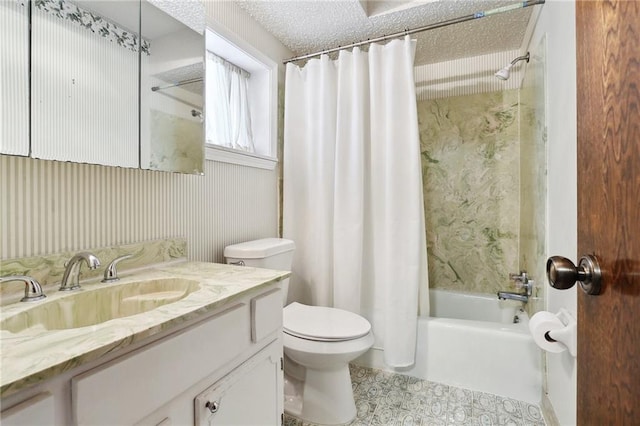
x: 471, y: 341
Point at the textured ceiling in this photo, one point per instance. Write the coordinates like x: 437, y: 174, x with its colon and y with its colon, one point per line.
x: 308, y: 26
x: 189, y: 12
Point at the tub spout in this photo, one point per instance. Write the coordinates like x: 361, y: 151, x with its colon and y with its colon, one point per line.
x: 507, y: 295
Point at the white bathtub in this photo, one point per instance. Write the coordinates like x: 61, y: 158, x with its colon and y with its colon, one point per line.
x: 472, y: 342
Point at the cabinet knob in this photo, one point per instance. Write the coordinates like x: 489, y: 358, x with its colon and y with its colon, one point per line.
x: 213, y: 406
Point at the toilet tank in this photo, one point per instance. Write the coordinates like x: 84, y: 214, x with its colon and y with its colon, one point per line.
x: 269, y: 253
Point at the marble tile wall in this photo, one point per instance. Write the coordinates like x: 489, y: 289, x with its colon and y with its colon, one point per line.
x: 470, y: 149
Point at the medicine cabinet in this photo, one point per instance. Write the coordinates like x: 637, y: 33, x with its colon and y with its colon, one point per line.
x: 107, y: 82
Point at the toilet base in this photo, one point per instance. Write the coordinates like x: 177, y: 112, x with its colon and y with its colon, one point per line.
x: 327, y: 397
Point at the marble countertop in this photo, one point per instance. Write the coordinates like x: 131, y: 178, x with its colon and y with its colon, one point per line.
x: 36, y: 354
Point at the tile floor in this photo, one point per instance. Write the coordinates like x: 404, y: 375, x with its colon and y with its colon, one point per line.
x: 384, y: 398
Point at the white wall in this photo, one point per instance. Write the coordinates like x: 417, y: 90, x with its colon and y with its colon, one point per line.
x: 557, y: 22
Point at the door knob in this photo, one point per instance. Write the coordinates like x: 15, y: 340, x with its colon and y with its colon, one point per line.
x: 563, y: 274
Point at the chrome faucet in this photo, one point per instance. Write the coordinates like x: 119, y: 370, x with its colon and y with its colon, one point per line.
x: 32, y: 289
x: 522, y: 281
x: 508, y: 295
x: 71, y: 277
x: 110, y: 272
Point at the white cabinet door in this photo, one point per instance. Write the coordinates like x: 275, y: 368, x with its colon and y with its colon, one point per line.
x: 250, y: 395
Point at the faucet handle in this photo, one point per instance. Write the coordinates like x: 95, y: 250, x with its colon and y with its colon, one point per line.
x: 32, y: 289
x: 525, y: 285
x: 110, y: 272
x: 519, y: 278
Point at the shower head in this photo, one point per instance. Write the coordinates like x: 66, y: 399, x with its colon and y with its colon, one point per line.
x: 503, y: 74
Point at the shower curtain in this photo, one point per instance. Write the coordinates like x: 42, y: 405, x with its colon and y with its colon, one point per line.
x: 353, y: 190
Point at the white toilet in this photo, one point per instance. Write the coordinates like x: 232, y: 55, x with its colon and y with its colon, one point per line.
x: 319, y: 342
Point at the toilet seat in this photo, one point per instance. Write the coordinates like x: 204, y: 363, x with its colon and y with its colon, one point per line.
x: 323, y: 324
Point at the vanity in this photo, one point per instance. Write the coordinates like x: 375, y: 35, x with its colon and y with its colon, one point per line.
x: 193, y: 343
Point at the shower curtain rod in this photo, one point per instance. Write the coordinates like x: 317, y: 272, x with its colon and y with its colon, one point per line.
x: 477, y: 15
x: 180, y: 83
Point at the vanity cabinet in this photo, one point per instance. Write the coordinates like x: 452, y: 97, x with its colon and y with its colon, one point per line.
x: 206, y: 373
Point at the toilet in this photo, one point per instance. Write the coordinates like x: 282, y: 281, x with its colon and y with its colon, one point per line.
x: 319, y: 342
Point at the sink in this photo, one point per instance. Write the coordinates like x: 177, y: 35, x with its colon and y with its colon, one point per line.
x: 95, y: 306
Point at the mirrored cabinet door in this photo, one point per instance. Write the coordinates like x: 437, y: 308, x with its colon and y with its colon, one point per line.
x: 84, y: 81
x: 14, y: 77
x: 171, y: 88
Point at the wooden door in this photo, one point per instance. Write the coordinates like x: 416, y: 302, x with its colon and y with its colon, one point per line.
x: 608, y: 74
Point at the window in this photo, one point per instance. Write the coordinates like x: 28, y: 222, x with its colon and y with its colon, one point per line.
x: 241, y: 102
x: 228, y: 113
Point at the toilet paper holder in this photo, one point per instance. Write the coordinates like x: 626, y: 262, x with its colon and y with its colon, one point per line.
x: 568, y: 335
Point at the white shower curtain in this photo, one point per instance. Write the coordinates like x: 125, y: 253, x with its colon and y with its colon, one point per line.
x: 353, y: 190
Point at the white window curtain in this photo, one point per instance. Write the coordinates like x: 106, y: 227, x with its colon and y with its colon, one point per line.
x: 353, y: 191
x: 228, y: 118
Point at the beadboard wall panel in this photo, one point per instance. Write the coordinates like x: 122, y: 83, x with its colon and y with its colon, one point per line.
x: 50, y: 206
x: 467, y: 76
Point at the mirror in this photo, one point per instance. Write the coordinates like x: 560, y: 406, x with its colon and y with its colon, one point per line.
x: 84, y: 81
x: 14, y: 77
x: 171, y: 99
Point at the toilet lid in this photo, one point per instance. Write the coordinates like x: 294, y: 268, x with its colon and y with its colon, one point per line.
x: 323, y: 324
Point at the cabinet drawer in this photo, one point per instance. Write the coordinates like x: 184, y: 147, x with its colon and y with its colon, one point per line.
x: 38, y: 410
x: 129, y: 389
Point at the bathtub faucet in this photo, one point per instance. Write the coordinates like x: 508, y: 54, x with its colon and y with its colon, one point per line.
x: 508, y: 295
x: 522, y: 282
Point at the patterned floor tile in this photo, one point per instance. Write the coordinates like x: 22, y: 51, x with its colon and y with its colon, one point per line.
x: 384, y: 398
x: 485, y: 418
x: 509, y: 412
x: 365, y: 410
x: 484, y: 401
x: 414, y: 402
x: 531, y: 414
x: 416, y: 385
